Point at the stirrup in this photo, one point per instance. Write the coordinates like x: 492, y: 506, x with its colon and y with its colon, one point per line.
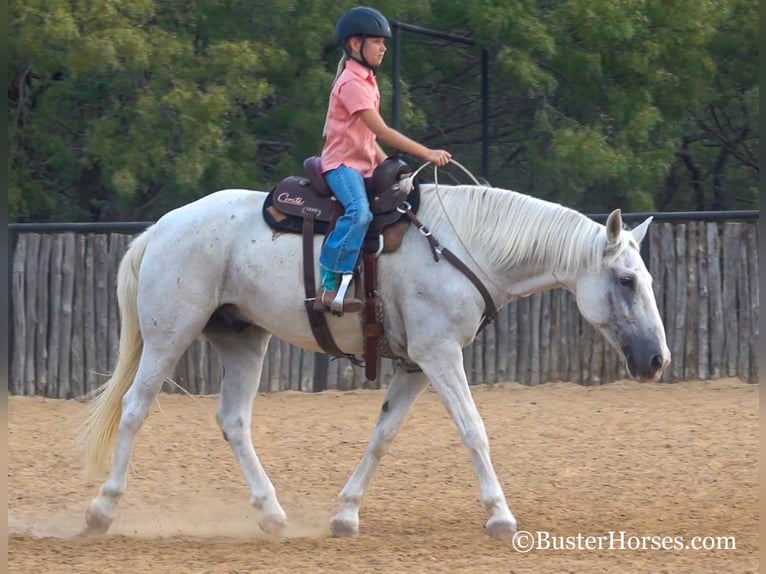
x: 337, y: 304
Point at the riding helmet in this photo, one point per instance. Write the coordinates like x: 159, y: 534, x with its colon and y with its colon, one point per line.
x: 361, y: 21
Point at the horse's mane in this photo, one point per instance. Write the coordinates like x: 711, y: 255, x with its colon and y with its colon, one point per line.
x: 511, y: 228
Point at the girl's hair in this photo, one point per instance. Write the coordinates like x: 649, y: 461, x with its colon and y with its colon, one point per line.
x: 341, y: 66
x: 338, y: 72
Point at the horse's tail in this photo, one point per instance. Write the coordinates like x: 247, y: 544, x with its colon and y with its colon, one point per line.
x: 98, y: 432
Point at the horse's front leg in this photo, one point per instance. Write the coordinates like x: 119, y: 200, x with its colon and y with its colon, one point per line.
x: 444, y: 368
x: 402, y: 392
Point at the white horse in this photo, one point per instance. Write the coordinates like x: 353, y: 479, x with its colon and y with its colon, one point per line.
x: 217, y: 253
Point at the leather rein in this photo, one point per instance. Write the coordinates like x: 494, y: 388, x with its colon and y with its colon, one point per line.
x: 490, y: 309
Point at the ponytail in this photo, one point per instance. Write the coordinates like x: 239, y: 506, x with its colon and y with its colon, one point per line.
x: 341, y: 67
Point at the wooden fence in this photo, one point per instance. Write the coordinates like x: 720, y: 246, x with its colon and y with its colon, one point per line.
x: 66, y: 322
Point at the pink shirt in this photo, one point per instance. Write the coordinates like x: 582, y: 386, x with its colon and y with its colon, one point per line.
x: 348, y: 141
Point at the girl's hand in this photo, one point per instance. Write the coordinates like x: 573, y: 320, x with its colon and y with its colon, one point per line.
x: 438, y: 157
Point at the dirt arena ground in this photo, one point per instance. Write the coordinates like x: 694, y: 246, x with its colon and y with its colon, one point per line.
x: 651, y: 460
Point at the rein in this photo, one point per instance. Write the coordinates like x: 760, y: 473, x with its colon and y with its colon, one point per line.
x: 490, y: 309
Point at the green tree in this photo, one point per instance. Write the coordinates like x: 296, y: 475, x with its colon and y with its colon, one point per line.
x: 125, y: 110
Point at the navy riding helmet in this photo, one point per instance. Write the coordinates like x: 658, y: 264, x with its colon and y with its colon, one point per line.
x: 364, y: 22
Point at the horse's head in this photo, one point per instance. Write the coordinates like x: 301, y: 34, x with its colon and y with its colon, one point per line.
x: 617, y: 298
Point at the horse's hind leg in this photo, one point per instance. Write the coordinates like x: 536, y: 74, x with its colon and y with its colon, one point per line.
x: 242, y: 356
x: 153, y: 369
x: 402, y: 392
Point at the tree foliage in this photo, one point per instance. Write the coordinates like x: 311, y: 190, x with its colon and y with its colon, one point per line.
x: 124, y: 110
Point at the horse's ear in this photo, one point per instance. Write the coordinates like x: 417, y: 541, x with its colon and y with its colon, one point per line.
x: 639, y: 232
x: 614, y: 226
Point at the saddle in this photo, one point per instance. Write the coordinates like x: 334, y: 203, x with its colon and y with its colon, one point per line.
x: 297, y: 198
x: 305, y: 205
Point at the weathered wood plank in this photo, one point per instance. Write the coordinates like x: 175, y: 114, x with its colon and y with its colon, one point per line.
x: 502, y: 342
x: 307, y: 371
x: 715, y: 294
x: 101, y: 292
x: 333, y: 366
x: 179, y: 378
x: 679, y: 325
x: 215, y: 371
x: 565, y: 337
x: 202, y: 368
x: 535, y: 312
x: 54, y: 311
x: 345, y: 376
x: 703, y: 305
x: 77, y: 364
x: 525, y: 345
x: 691, y: 351
x: 575, y: 338
x: 513, y: 342
x: 545, y: 336
x: 731, y: 324
x: 275, y: 358
x: 751, y: 239
x: 478, y: 360
x: 668, y: 255
x: 31, y: 278
x: 556, y: 335
x: 597, y: 359
x: 490, y: 353
x: 192, y: 359
x: 743, y: 307
x: 285, y: 376
x: 18, y: 302
x: 43, y: 305
x: 91, y: 362
x: 67, y: 308
x: 296, y: 361
x: 586, y: 352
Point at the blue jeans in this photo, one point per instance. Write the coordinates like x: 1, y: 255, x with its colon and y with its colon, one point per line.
x: 342, y: 246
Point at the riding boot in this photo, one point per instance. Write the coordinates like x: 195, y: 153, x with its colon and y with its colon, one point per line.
x: 332, y: 298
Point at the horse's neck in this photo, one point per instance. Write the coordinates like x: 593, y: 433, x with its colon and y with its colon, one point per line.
x: 536, y: 269
x: 522, y: 282
x: 517, y: 244
x: 526, y: 274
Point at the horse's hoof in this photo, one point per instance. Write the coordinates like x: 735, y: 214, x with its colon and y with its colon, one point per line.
x: 273, y: 523
x: 342, y: 528
x: 501, y: 529
x: 96, y: 524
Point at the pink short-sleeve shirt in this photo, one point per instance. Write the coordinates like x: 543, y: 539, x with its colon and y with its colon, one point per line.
x: 348, y: 140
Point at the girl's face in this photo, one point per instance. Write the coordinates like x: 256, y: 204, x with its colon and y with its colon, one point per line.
x: 374, y: 49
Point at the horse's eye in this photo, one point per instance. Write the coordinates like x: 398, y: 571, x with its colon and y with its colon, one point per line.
x: 628, y: 281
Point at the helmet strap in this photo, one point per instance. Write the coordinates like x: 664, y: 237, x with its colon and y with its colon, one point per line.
x: 361, y: 59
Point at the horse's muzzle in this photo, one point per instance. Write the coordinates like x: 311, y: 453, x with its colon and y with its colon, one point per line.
x: 647, y: 366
